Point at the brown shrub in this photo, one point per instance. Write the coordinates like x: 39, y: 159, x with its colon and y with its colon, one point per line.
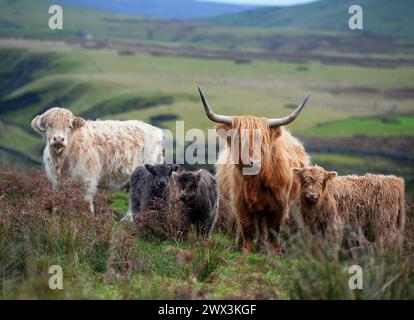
x: 37, y: 221
x: 409, y: 226
x: 163, y: 221
x: 226, y: 221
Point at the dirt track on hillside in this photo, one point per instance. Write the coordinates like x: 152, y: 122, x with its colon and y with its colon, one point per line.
x: 395, y: 148
x: 244, y: 55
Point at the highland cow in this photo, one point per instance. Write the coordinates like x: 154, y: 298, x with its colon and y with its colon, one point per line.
x: 261, y: 199
x: 329, y: 203
x: 198, y: 194
x: 149, y: 183
x: 97, y: 153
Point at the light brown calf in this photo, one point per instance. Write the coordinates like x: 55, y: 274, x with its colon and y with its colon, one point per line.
x: 330, y: 202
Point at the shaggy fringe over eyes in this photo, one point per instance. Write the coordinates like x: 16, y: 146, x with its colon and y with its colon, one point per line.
x: 249, y: 124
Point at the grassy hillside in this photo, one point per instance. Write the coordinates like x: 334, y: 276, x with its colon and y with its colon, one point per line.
x: 28, y: 19
x: 347, y: 101
x: 142, y: 86
x: 381, y: 17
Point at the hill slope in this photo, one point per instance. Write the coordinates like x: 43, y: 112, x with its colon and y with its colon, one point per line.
x: 381, y: 17
x: 24, y: 18
x: 168, y: 9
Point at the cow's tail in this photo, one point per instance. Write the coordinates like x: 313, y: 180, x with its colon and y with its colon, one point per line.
x: 401, y: 209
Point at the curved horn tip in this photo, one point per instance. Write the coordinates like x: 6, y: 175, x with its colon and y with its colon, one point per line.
x: 291, y: 117
x: 200, y: 91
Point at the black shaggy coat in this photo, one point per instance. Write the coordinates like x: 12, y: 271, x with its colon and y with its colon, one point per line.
x: 198, y: 194
x: 148, y: 183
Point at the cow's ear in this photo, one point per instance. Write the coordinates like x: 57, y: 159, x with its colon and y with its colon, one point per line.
x: 330, y: 175
x: 175, y: 168
x: 297, y: 172
x: 198, y: 175
x: 150, y: 168
x: 221, y: 132
x: 78, y: 122
x: 37, y: 125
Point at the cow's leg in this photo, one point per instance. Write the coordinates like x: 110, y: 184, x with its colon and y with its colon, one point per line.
x: 247, y: 228
x: 128, y: 216
x: 334, y: 234
x: 91, y: 186
x: 385, y: 231
x: 263, y: 234
x: 239, y: 239
x: 205, y: 227
x: 52, y: 175
x: 274, y: 223
x: 247, y: 223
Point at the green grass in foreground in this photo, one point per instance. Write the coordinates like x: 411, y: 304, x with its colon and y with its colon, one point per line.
x: 104, y: 259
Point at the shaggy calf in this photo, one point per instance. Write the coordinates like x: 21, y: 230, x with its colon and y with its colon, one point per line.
x: 329, y: 202
x: 146, y: 184
x: 97, y: 153
x: 198, y: 193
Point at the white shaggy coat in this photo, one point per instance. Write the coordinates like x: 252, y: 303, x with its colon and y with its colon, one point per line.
x: 98, y: 153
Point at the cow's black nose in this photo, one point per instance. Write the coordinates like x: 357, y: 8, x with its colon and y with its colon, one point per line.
x: 311, y: 197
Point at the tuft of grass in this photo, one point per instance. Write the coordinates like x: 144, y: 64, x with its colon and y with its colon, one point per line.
x: 119, y: 201
x: 313, y: 273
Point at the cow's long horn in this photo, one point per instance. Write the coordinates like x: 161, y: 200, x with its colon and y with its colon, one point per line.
x: 290, y: 118
x: 210, y: 114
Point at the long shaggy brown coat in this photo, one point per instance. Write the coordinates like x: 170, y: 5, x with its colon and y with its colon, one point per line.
x: 330, y: 202
x: 261, y: 200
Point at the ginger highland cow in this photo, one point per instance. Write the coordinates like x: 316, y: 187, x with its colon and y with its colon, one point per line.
x: 260, y: 200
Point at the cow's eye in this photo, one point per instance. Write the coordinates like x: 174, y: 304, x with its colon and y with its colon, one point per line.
x: 70, y: 126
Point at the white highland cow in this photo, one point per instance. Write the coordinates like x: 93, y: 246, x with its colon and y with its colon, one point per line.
x: 98, y: 153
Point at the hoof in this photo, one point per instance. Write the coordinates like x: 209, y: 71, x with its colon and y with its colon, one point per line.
x: 127, y: 218
x: 247, y: 247
x: 278, y: 251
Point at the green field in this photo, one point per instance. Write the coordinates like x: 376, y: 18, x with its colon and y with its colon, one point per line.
x: 103, y: 83
x: 399, y: 126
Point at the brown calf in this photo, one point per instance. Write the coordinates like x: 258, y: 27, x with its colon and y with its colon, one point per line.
x: 329, y: 202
